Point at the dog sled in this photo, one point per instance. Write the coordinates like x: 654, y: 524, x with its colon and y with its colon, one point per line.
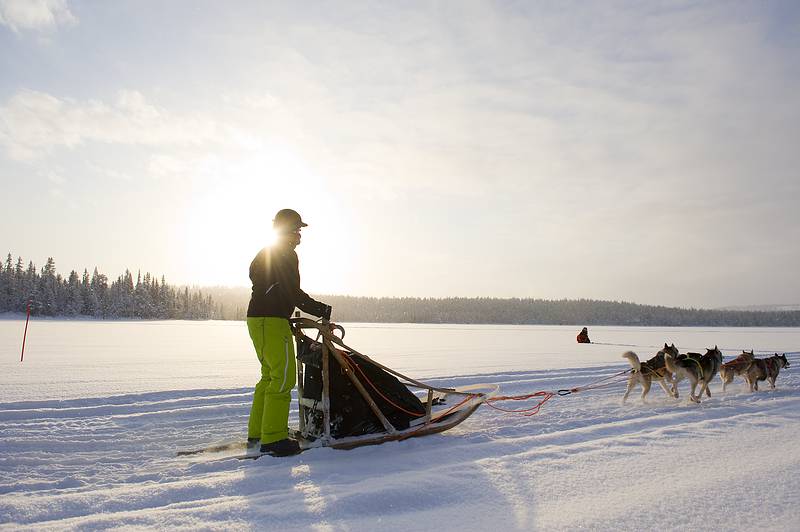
x: 347, y: 399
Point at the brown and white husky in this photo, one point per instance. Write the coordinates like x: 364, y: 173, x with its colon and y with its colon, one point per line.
x: 645, y: 373
x: 737, y: 366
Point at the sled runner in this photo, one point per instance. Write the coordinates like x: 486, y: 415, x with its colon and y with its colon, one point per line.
x: 346, y: 399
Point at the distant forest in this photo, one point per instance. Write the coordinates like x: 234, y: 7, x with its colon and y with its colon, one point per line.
x: 91, y: 295
x: 517, y: 311
x: 145, y: 297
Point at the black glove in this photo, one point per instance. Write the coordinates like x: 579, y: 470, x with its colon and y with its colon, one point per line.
x: 326, y: 314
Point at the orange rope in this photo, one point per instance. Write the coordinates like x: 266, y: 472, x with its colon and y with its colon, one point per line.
x: 525, y: 411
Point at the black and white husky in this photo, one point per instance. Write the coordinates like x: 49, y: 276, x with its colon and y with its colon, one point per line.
x: 765, y: 369
x: 699, y: 370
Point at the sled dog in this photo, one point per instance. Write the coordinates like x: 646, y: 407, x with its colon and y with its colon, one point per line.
x: 765, y: 369
x: 654, y: 369
x: 698, y: 370
x: 737, y: 366
x: 678, y: 377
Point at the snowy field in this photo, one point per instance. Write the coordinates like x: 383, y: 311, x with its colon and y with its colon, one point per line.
x: 91, y: 421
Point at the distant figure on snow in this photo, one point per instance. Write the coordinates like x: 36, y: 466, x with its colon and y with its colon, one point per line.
x: 276, y: 292
x: 583, y: 336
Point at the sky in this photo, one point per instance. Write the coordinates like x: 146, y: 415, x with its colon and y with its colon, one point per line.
x: 637, y: 151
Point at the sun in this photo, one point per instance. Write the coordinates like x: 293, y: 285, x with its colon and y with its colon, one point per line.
x: 229, y: 219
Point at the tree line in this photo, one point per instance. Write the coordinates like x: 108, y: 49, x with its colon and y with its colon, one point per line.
x: 522, y: 311
x: 519, y: 311
x: 91, y: 295
x: 146, y: 297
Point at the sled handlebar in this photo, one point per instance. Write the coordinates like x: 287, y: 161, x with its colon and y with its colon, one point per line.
x: 323, y: 326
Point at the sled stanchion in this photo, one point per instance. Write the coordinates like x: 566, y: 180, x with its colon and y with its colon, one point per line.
x: 429, y: 406
x: 301, y: 409
x: 326, y: 387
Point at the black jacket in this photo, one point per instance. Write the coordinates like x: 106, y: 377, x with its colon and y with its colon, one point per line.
x: 276, y: 285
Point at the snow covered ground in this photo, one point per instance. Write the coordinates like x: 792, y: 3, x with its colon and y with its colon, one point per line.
x: 91, y: 421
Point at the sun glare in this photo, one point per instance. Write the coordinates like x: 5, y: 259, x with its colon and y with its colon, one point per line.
x: 230, y: 220
x: 272, y: 238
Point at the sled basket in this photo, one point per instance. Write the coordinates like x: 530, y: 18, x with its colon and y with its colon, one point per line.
x: 346, y: 399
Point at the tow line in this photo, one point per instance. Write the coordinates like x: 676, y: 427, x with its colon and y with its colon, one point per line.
x: 545, y: 396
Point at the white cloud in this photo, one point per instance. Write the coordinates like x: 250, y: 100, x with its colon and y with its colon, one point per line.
x: 34, y: 123
x: 55, y: 177
x: 35, y: 14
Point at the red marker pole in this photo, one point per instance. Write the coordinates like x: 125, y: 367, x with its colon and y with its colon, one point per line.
x: 24, y: 336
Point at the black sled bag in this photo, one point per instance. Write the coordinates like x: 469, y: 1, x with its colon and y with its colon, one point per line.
x: 350, y: 413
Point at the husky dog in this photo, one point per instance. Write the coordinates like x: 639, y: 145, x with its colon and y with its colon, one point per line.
x: 678, y: 377
x: 697, y: 370
x: 737, y: 366
x: 654, y: 369
x: 765, y: 369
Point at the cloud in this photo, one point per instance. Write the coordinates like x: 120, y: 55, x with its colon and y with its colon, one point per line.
x: 36, y: 15
x: 55, y: 177
x: 32, y: 124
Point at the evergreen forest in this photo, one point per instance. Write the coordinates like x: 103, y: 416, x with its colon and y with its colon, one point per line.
x: 92, y: 295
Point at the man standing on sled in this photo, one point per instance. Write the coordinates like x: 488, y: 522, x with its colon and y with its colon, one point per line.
x: 275, y: 275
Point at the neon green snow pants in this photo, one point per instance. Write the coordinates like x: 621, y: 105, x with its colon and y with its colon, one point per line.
x: 269, y: 415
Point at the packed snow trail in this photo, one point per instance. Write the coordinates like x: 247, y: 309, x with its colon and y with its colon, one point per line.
x: 584, y: 461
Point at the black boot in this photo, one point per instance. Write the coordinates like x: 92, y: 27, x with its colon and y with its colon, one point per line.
x: 285, y: 447
x: 252, y: 444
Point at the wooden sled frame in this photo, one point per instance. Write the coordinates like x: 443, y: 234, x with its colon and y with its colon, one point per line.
x: 469, y: 397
